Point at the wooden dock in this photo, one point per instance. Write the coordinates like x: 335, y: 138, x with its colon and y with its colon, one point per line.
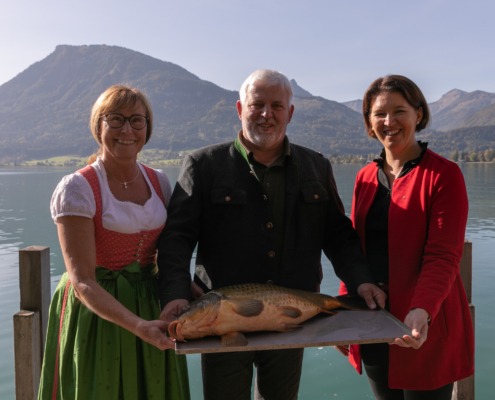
x: 31, y: 321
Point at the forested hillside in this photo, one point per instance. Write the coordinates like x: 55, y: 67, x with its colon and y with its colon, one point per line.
x: 44, y: 111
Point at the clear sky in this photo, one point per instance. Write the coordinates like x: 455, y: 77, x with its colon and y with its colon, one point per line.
x: 332, y: 48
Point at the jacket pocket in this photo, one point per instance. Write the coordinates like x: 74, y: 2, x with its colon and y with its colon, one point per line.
x: 441, y: 320
x: 314, y: 193
x: 228, y: 196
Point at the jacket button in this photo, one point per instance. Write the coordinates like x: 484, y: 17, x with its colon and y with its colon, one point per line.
x: 271, y: 254
x: 316, y: 196
x: 227, y: 199
x: 269, y: 225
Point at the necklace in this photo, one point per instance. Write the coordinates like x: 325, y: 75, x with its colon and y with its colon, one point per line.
x: 125, y: 183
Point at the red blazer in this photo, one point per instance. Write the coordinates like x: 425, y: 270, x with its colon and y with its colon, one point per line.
x: 427, y: 221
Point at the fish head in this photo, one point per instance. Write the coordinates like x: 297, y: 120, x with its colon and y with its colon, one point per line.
x: 197, y: 318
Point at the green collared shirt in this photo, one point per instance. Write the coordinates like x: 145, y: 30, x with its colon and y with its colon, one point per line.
x: 272, y: 180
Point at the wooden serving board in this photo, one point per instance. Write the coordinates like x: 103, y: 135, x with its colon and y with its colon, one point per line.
x: 345, y: 327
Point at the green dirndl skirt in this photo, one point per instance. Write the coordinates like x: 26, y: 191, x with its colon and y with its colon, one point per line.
x: 89, y: 358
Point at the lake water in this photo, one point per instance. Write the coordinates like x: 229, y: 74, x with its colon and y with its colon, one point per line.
x: 25, y: 221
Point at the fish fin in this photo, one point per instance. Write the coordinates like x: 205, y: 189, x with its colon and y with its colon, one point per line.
x: 247, y: 307
x: 232, y: 339
x: 352, y: 302
x: 330, y: 312
x: 291, y: 327
x: 291, y: 312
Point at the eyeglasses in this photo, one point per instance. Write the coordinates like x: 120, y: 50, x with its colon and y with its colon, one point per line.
x: 116, y: 121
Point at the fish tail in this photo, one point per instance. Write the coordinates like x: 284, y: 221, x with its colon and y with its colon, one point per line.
x: 350, y: 302
x: 331, y: 303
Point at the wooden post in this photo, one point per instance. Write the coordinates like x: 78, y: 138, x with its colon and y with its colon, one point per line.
x: 34, y: 284
x: 467, y: 270
x: 27, y: 337
x: 464, y: 389
x: 31, y: 322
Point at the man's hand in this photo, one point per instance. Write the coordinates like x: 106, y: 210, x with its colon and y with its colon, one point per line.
x: 372, y: 295
x: 196, y: 290
x: 172, y: 310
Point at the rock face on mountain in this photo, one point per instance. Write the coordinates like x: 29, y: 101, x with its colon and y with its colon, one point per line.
x: 459, y: 109
x: 44, y: 110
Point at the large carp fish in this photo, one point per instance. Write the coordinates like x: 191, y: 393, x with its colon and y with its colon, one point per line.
x: 228, y: 311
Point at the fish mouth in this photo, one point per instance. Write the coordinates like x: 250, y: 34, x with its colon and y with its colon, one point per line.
x: 173, y: 332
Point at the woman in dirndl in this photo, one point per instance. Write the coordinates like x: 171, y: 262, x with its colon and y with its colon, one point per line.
x: 104, y: 338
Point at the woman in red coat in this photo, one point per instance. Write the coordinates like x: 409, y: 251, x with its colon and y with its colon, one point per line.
x: 410, y: 209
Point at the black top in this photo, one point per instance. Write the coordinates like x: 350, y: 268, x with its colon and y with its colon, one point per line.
x: 377, y: 218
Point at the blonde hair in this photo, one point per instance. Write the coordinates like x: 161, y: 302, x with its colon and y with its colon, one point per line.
x: 115, y: 97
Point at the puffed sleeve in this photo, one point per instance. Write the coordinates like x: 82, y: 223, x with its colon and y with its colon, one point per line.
x: 72, y: 197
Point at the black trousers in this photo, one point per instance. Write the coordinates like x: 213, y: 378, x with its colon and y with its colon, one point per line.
x: 375, y: 361
x: 229, y: 376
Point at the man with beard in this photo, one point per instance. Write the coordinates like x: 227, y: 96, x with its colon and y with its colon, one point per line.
x: 259, y: 209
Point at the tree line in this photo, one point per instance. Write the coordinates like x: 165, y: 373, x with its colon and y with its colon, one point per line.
x: 456, y: 156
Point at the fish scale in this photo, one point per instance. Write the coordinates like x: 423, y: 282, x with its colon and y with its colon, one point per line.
x: 229, y: 311
x: 281, y: 295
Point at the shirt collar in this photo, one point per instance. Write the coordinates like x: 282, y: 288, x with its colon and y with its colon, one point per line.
x: 248, y: 155
x: 409, y: 164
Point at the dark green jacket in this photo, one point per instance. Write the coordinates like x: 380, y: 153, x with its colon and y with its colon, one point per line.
x: 219, y: 205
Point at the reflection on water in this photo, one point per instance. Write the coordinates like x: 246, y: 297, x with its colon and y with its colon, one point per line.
x: 25, y: 221
x: 480, y: 229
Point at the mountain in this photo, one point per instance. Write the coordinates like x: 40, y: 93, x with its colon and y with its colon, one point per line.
x: 456, y: 109
x: 479, y: 138
x: 298, y: 91
x: 459, y: 109
x: 356, y: 105
x: 44, y: 110
x: 484, y: 117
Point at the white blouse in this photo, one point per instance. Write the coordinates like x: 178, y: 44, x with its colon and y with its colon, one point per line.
x: 73, y: 196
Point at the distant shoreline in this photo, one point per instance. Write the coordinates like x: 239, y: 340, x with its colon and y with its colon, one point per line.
x: 77, y: 162
x: 159, y: 158
x: 156, y: 164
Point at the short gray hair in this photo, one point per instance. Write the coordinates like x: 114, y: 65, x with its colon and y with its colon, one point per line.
x: 265, y: 75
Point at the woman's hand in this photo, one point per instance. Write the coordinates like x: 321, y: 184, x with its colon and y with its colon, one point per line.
x: 417, y: 319
x: 170, y: 313
x: 155, y: 333
x: 77, y: 241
